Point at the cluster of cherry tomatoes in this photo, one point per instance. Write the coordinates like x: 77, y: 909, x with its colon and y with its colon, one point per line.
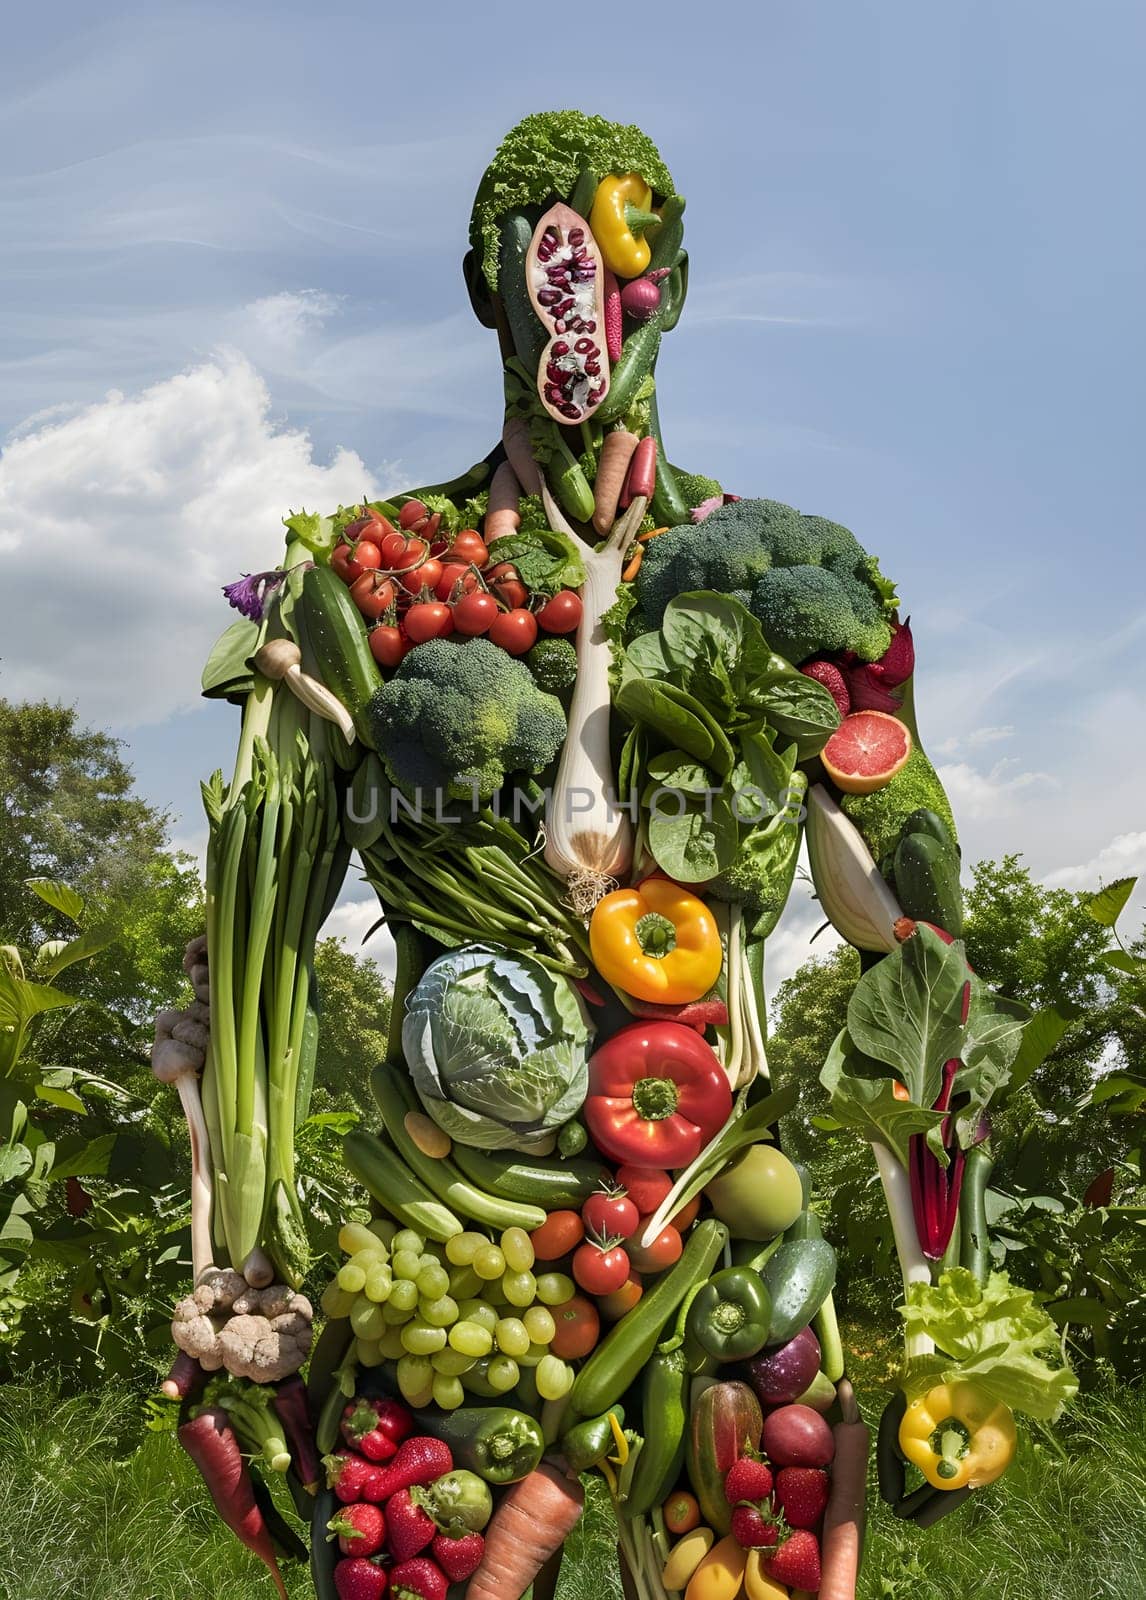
x: 600, y: 1247
x: 412, y: 583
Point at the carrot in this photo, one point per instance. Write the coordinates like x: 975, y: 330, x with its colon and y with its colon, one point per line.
x: 642, y: 476
x: 842, y: 1541
x: 185, y: 1376
x: 515, y: 438
x: 534, y: 1520
x: 616, y: 453
x: 210, y: 1442
x: 502, y: 515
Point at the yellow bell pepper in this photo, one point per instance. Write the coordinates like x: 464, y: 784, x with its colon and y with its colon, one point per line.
x: 720, y: 1574
x: 656, y: 942
x: 958, y: 1436
x: 622, y: 209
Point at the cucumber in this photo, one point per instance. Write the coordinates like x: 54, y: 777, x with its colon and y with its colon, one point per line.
x: 558, y: 1186
x: 924, y: 821
x: 625, y: 1350
x: 333, y: 632
x: 387, y: 1178
x: 439, y: 1174
x: 664, y: 1421
x: 799, y: 1277
x: 529, y: 337
x: 806, y: 1226
x: 927, y: 881
x: 638, y: 355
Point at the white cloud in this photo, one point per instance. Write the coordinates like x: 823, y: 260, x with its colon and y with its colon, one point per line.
x: 350, y: 921
x: 994, y: 795
x: 119, y: 525
x: 290, y: 315
x: 1123, y: 857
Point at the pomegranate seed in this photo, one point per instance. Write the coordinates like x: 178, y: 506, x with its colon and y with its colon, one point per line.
x: 559, y: 327
x: 583, y: 346
x: 560, y: 348
x: 589, y: 327
x: 571, y: 411
x: 548, y: 297
x: 576, y: 235
x: 592, y: 368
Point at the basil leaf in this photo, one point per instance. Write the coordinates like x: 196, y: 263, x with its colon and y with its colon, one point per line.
x: 648, y: 701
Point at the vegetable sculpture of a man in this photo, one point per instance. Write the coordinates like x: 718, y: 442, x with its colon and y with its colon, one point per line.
x: 576, y: 711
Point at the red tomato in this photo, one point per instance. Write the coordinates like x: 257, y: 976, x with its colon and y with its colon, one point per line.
x: 372, y: 594
x: 413, y: 553
x: 427, y: 575
x: 657, y: 1095
x: 610, y: 1215
x: 514, y: 630
x: 562, y: 613
x: 350, y: 561
x: 370, y: 525
x: 475, y: 613
x: 428, y: 619
x: 561, y: 1232
x: 664, y: 1250
x: 505, y: 582
x: 621, y: 1301
x: 468, y: 545
x: 393, y: 544
x: 578, y: 1328
x: 387, y: 645
x: 599, y: 1270
x: 411, y: 514
x: 453, y: 574
x: 646, y: 1186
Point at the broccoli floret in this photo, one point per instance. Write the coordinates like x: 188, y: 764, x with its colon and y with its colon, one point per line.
x: 553, y: 663
x: 879, y: 816
x: 760, y: 877
x: 458, y: 715
x: 810, y: 584
x: 540, y: 159
x: 695, y: 488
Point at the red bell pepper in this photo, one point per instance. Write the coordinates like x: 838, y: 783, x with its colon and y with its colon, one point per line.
x: 657, y: 1095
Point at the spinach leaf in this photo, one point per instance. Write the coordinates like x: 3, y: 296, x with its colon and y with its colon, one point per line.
x: 798, y: 706
x: 691, y: 828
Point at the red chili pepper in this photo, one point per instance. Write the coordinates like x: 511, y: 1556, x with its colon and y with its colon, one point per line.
x: 696, y: 1014
x: 657, y: 1095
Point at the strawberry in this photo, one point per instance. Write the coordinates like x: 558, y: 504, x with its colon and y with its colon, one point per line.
x: 373, y: 1482
x: 376, y: 1427
x: 754, y: 1527
x: 418, y: 1580
x: 802, y: 1495
x: 747, y: 1479
x: 458, y: 1558
x: 361, y: 1530
x: 409, y: 1528
x: 419, y: 1461
x: 797, y: 1561
x: 346, y: 1475
x: 358, y: 1579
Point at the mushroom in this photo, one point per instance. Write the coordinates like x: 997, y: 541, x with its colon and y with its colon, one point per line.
x: 281, y: 659
x: 261, y: 1334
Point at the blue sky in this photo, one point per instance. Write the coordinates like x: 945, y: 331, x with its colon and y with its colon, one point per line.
x: 229, y: 284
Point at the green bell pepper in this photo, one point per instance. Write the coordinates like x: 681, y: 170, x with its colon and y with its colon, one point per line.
x: 588, y: 1442
x: 729, y: 1316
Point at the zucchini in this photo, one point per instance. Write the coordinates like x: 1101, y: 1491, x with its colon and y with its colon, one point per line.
x: 558, y: 1185
x: 622, y: 1354
x: 528, y: 334
x: 638, y: 357
x: 664, y: 1421
x: 799, y: 1277
x: 927, y: 881
x: 324, y: 1552
x: 387, y: 1178
x: 332, y: 631
x: 390, y: 1088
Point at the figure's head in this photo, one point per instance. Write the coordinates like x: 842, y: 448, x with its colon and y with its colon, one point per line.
x: 613, y: 177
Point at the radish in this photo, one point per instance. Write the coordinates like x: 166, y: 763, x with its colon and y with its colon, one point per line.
x: 210, y: 1442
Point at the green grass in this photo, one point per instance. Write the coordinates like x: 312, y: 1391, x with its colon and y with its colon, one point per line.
x: 88, y: 1513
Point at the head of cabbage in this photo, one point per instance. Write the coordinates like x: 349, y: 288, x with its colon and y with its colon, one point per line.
x: 497, y: 1046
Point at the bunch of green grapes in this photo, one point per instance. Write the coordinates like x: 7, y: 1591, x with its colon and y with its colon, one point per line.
x: 470, y: 1314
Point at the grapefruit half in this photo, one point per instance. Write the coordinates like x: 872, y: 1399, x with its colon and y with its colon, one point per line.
x: 866, y: 751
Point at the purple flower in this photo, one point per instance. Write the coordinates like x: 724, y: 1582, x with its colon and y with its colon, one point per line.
x: 249, y: 594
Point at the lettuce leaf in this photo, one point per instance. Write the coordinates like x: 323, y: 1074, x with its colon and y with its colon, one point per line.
x: 995, y: 1336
